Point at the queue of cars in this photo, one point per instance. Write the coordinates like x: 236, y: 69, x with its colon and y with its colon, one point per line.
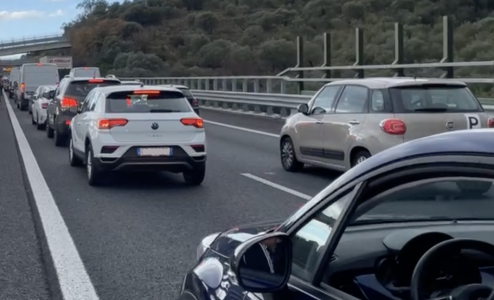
x: 111, y: 125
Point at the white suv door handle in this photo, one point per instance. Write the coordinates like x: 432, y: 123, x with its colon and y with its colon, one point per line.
x: 319, y: 122
x: 78, y: 123
x: 354, y: 122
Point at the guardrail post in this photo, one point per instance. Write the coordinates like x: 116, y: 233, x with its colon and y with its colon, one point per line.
x: 269, y: 86
x: 224, y: 85
x: 245, y: 85
x: 448, y: 47
x: 359, y: 51
x: 282, y: 87
x: 206, y: 84
x: 300, y: 62
x: 215, y: 84
x: 327, y: 53
x: 256, y: 86
x: 399, y: 49
x: 234, y: 85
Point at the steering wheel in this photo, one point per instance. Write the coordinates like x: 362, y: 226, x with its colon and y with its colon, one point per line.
x: 473, y: 291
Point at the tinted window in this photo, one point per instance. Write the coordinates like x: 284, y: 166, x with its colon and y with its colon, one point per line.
x: 309, y: 241
x: 435, y: 98
x: 325, y: 99
x: 79, y: 89
x: 162, y: 102
x: 90, y: 72
x: 186, y: 92
x: 353, y: 100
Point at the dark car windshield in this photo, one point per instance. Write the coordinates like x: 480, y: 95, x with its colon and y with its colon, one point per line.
x: 434, y: 99
x: 79, y: 89
x: 151, y: 102
x: 443, y: 199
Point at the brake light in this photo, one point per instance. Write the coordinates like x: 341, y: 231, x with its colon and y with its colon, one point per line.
x: 39, y: 65
x: 110, y: 123
x: 490, y: 123
x: 67, y: 122
x: 23, y: 87
x: 194, y: 102
x: 140, y: 92
x: 393, y: 126
x: 196, y: 122
x: 86, y: 68
x: 96, y: 80
x: 44, y: 105
x: 68, y: 102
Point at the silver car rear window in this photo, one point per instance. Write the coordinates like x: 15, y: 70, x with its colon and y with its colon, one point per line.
x: 434, y: 99
x: 152, y: 102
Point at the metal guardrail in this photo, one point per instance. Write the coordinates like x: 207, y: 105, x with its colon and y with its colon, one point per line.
x: 237, y: 93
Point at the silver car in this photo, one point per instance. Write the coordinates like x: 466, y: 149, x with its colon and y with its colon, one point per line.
x: 350, y: 120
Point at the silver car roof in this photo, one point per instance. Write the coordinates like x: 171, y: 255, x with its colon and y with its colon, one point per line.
x: 177, y: 86
x: 390, y: 82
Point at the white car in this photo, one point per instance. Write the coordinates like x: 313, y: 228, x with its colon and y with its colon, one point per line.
x: 40, y: 104
x: 138, y: 128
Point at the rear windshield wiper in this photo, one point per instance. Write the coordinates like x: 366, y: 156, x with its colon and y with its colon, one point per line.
x: 432, y: 109
x: 161, y: 110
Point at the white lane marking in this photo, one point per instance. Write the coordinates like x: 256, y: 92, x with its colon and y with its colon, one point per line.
x: 277, y: 186
x: 242, y: 129
x: 72, y: 276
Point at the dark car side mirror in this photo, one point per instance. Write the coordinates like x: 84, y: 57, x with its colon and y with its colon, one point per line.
x: 79, y: 109
x: 263, y: 264
x: 51, y: 95
x: 303, y: 108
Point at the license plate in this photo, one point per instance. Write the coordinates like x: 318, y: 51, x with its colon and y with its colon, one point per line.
x: 165, y: 151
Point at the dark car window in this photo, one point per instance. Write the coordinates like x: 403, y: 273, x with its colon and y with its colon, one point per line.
x: 152, y: 102
x: 434, y: 98
x: 79, y: 89
x: 187, y: 93
x: 310, y: 239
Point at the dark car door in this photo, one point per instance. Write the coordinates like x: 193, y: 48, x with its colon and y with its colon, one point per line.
x: 52, y: 107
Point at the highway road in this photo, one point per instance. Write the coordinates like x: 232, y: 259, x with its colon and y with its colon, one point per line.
x: 135, y: 238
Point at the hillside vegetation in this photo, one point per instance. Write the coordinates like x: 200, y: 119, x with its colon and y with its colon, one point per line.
x: 243, y: 37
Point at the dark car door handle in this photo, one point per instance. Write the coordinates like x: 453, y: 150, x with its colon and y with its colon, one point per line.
x: 354, y: 122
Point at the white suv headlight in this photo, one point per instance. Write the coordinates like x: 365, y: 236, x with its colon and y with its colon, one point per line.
x: 205, y: 243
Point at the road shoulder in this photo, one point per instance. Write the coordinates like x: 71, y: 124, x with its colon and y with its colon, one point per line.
x: 22, y: 272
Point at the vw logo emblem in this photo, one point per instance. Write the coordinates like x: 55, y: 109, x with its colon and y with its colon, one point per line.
x: 450, y: 125
x: 155, y: 126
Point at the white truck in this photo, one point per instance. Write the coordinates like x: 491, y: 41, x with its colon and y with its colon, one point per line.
x: 62, y: 62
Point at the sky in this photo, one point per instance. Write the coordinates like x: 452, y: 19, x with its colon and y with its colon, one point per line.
x: 28, y: 18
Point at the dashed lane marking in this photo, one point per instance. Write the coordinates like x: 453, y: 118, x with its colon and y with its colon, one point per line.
x: 242, y: 129
x: 74, y: 281
x: 277, y: 186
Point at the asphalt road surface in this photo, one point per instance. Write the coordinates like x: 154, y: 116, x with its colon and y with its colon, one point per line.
x: 137, y: 237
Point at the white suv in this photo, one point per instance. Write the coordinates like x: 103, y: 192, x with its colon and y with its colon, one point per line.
x: 143, y: 128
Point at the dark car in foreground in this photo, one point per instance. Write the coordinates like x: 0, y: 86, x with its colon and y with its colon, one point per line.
x: 396, y: 226
x: 188, y: 94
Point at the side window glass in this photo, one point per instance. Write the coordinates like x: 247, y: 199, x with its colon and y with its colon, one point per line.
x: 87, y: 102
x: 310, y: 239
x: 378, y: 103
x: 100, y: 99
x: 325, y: 99
x: 353, y: 100
x: 93, y: 102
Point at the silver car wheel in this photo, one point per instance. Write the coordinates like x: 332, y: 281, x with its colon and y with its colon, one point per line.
x: 89, y: 167
x: 71, y: 150
x: 361, y: 159
x: 287, y: 154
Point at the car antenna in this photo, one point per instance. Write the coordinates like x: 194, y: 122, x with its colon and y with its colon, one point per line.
x: 142, y: 84
x: 94, y: 74
x: 415, y: 77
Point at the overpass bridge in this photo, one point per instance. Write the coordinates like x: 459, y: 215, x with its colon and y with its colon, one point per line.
x: 32, y: 44
x: 16, y: 62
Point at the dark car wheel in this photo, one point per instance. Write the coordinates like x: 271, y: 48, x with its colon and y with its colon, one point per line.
x: 288, y: 156
x: 474, y: 188
x: 40, y: 126
x: 360, y: 157
x: 195, y: 176
x: 60, y: 139
x: 49, y: 130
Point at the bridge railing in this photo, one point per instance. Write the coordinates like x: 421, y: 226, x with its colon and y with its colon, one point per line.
x: 27, y: 40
